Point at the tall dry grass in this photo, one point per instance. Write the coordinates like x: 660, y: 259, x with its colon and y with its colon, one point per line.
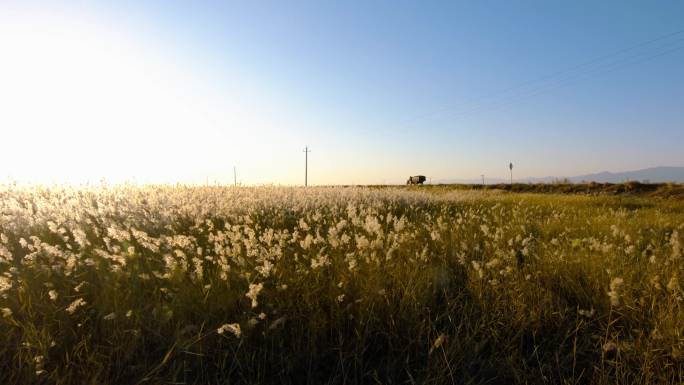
x: 337, y: 285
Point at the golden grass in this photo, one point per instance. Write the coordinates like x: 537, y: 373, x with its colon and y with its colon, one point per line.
x: 338, y: 285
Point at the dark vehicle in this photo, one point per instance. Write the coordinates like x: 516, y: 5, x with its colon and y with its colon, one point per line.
x: 418, y: 179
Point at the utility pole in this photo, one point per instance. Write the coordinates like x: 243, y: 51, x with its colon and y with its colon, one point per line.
x: 482, y: 175
x: 234, y: 176
x: 510, y: 166
x: 306, y: 166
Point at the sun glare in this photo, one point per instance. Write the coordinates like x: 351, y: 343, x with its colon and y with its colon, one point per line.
x: 81, y: 103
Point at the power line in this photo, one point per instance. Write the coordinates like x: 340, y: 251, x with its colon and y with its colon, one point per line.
x: 477, y: 103
x: 573, y: 78
x: 605, y: 69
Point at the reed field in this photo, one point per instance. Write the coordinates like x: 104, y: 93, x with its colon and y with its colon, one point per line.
x: 338, y: 285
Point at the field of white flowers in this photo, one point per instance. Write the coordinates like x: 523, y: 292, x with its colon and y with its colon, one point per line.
x: 185, y: 285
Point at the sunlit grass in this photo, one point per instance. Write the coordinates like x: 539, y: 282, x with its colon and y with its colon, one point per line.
x: 338, y: 285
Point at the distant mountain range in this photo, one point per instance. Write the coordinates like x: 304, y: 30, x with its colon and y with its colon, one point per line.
x: 649, y: 175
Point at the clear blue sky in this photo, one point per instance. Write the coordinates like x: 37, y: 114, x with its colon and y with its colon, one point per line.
x: 379, y: 90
